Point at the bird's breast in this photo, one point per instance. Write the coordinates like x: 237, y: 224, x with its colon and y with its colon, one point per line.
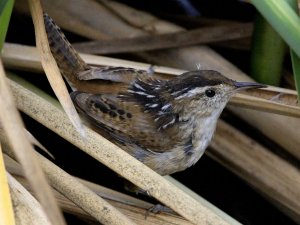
x: 203, y: 130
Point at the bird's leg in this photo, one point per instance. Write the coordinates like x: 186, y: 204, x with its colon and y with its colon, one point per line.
x: 158, y: 208
x: 155, y: 209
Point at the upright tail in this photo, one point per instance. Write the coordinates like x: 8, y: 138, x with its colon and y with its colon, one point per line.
x: 67, y: 59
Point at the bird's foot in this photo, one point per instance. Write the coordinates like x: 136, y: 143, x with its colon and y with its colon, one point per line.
x: 158, y: 208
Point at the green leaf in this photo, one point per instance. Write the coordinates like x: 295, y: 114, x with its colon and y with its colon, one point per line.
x: 295, y: 58
x: 5, y: 13
x: 296, y: 70
x: 283, y: 16
x: 283, y: 19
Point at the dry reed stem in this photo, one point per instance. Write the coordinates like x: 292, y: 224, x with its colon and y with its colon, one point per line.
x: 132, y: 207
x: 174, y: 40
x: 113, y: 157
x: 261, y: 104
x: 28, y: 210
x: 272, y: 176
x: 125, y: 203
x: 35, y: 142
x: 78, y: 26
x: 24, y: 57
x: 50, y: 67
x: 76, y: 192
x: 6, y: 210
x: 14, y: 129
x: 144, y: 21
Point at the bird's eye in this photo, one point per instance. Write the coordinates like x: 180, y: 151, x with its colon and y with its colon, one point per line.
x: 210, y: 93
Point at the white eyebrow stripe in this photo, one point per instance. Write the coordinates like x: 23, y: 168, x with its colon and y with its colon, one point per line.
x: 190, y: 93
x: 177, y: 92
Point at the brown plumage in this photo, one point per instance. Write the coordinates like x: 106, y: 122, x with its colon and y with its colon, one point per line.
x: 166, y: 124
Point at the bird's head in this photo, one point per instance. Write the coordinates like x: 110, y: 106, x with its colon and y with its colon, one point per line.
x: 204, y: 91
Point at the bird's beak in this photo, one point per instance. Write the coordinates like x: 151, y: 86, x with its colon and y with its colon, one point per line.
x: 247, y: 85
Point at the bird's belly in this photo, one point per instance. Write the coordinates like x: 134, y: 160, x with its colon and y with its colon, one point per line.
x: 177, y: 159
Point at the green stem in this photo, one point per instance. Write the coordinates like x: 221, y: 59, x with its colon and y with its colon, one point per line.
x: 267, y: 55
x: 296, y: 70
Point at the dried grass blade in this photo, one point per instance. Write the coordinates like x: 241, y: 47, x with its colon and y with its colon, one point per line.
x: 50, y: 66
x: 86, y: 199
x: 29, y: 210
x: 275, y: 94
x: 78, y: 193
x: 277, y: 179
x: 6, y: 209
x: 14, y: 129
x: 264, y: 105
x: 134, y: 208
x: 182, y: 38
x: 272, y: 99
x: 35, y: 142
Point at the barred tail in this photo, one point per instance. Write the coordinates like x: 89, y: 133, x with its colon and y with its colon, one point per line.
x: 67, y: 59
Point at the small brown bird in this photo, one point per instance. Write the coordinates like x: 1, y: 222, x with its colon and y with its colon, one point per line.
x: 166, y: 124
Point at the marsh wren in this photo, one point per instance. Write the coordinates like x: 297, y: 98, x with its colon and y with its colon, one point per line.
x: 166, y: 124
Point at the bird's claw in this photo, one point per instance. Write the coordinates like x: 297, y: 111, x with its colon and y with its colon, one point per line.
x: 158, y: 208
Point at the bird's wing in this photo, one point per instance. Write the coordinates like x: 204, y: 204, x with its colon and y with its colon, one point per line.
x: 115, y: 74
x: 125, y: 122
